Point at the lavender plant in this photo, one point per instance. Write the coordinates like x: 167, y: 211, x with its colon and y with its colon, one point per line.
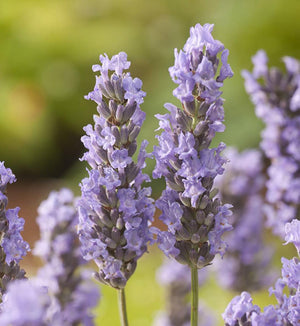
x: 241, y: 310
x: 12, y: 246
x: 248, y: 258
x: 176, y: 279
x: 115, y: 210
x: 276, y: 96
x: 195, y: 218
x: 70, y: 286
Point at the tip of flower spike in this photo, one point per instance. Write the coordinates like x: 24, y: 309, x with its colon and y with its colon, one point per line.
x: 6, y: 176
x: 201, y: 36
x: 118, y: 63
x: 117, y: 85
x: 195, y: 68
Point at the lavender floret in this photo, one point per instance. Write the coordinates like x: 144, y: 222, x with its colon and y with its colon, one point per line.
x: 195, y: 219
x: 240, y: 311
x: 248, y: 258
x: 292, y: 234
x: 275, y: 95
x: 12, y: 246
x: 68, y: 285
x: 25, y: 303
x: 115, y: 210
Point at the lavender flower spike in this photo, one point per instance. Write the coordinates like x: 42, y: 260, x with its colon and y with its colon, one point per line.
x: 275, y: 95
x: 115, y: 210
x: 12, y: 245
x: 195, y: 219
x: 71, y: 288
x: 248, y: 258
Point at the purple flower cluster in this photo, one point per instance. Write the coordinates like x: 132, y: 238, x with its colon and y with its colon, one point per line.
x: 247, y: 263
x: 176, y: 278
x: 115, y: 210
x: 12, y: 246
x: 195, y: 219
x: 73, y: 293
x: 25, y: 303
x: 276, y: 96
x: 241, y: 310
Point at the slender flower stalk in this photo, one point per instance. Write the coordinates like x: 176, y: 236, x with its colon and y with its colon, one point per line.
x: 248, y: 258
x: 176, y: 280
x: 195, y: 218
x: 276, y: 96
x: 12, y: 246
x: 67, y: 283
x: 195, y: 291
x: 115, y: 210
x: 122, y: 307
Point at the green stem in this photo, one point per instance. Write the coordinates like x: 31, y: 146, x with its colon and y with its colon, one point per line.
x: 194, y: 306
x: 122, y: 307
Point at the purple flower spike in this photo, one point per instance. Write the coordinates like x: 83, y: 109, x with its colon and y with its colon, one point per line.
x: 12, y: 246
x: 115, y: 211
x: 247, y: 263
x: 70, y: 287
x: 196, y: 220
x: 276, y: 96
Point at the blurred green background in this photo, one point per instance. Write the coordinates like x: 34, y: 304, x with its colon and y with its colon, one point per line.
x: 47, y: 49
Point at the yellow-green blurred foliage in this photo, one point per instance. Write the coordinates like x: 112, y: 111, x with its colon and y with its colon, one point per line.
x: 47, y: 49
